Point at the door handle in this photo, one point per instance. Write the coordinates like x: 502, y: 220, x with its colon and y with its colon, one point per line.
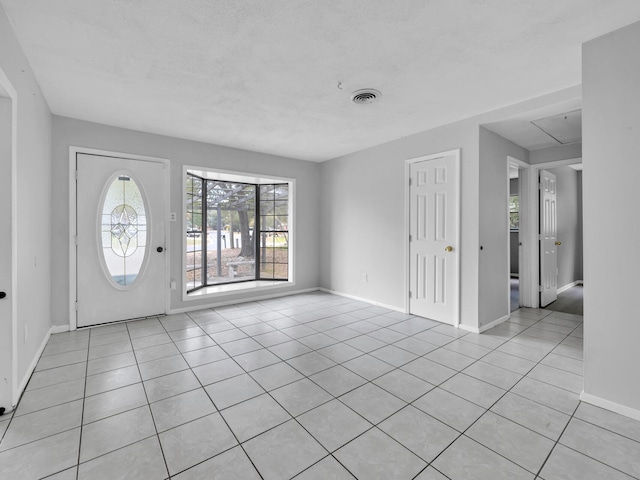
x: 448, y: 248
x: 159, y: 249
x: 558, y: 243
x: 2, y: 295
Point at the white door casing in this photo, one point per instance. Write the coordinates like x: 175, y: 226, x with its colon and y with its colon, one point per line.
x: 8, y: 343
x: 548, y: 239
x: 434, y: 254
x: 99, y: 298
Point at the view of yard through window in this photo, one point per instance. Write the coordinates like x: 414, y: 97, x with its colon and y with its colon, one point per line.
x: 514, y: 212
x: 226, y: 237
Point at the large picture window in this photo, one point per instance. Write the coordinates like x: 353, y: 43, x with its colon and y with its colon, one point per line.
x: 236, y: 231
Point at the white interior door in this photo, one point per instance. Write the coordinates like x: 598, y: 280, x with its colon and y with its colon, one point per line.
x: 120, y: 239
x: 433, y: 239
x: 6, y: 268
x: 548, y: 239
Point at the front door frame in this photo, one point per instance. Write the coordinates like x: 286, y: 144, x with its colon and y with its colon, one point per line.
x: 73, y: 152
x: 407, y: 226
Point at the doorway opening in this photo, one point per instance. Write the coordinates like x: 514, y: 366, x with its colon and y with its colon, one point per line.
x: 568, y: 294
x: 550, y: 137
x: 526, y: 219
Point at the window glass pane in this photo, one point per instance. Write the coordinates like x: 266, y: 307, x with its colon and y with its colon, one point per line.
x: 194, y: 238
x: 514, y: 212
x: 267, y: 193
x: 281, y: 207
x: 281, y: 192
x: 281, y: 271
x: 266, y: 271
x: 225, y: 240
x: 267, y: 223
x: 274, y: 233
x: 123, y: 230
x: 230, y: 222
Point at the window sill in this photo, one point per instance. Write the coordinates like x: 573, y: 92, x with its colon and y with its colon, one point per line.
x: 244, y: 287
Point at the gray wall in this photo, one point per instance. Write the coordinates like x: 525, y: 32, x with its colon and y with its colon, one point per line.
x: 569, y: 214
x: 552, y: 154
x: 363, y: 214
x: 69, y: 132
x: 363, y: 217
x: 33, y: 202
x: 611, y: 146
x: 494, y: 267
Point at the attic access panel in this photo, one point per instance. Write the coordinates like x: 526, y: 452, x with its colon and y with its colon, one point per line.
x: 565, y: 128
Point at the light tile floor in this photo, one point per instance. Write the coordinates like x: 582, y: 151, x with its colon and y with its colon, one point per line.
x: 315, y: 386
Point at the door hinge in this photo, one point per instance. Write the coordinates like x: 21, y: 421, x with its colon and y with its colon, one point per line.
x: 540, y: 289
x: 539, y: 186
x: 410, y: 237
x: 410, y: 181
x: 76, y: 306
x: 76, y: 174
x: 410, y: 295
x: 75, y: 240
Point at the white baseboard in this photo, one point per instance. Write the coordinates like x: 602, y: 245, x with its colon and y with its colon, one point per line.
x: 609, y: 405
x: 365, y: 300
x: 569, y: 285
x: 59, y: 329
x: 486, y: 327
x: 23, y: 383
x: 242, y: 300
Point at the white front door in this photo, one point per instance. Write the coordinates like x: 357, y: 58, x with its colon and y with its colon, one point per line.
x: 548, y: 239
x: 120, y: 239
x: 433, y: 238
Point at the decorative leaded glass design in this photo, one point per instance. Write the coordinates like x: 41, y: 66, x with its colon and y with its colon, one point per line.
x: 124, y: 230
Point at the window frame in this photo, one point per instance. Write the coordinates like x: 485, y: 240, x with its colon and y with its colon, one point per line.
x: 257, y: 283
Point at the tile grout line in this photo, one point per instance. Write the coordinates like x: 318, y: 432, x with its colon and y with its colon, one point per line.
x: 502, y: 396
x: 144, y: 389
x: 214, y: 405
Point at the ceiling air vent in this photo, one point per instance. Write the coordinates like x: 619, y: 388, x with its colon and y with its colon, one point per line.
x: 367, y: 95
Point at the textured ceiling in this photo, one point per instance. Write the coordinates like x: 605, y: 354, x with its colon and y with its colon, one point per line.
x: 276, y: 76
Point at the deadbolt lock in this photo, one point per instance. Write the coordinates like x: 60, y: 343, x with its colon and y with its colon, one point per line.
x: 558, y: 243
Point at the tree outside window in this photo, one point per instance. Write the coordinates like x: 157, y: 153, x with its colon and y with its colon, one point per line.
x: 514, y: 212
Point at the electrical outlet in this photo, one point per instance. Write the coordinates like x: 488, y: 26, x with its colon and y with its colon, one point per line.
x: 173, y: 216
x: 365, y: 277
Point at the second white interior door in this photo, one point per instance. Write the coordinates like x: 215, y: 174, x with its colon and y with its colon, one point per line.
x: 433, y: 245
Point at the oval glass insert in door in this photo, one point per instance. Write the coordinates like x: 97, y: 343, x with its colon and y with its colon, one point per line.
x: 123, y: 230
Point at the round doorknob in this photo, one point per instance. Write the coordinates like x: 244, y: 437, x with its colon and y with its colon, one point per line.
x: 558, y: 243
x: 159, y: 249
x: 2, y: 295
x: 448, y: 248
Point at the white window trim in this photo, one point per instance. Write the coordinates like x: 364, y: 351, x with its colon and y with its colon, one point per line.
x: 255, y: 286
